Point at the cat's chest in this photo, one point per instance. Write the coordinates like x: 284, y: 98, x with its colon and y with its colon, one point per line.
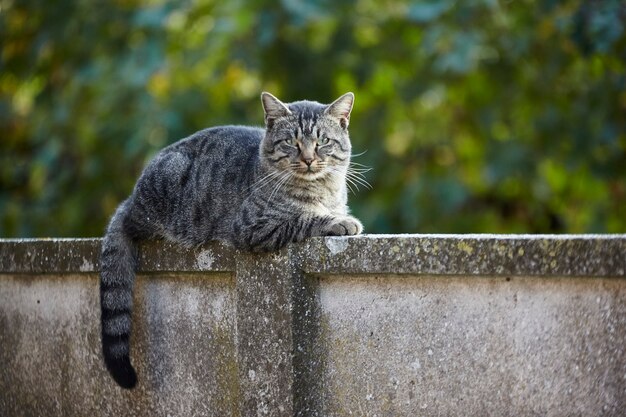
x: 321, y: 210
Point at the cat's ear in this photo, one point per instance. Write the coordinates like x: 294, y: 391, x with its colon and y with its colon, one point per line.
x: 274, y: 108
x: 341, y: 108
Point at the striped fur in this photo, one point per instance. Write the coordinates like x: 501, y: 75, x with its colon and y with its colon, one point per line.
x: 257, y: 189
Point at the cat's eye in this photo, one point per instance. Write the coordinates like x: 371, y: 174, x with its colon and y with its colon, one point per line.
x: 325, y: 141
x: 290, y: 141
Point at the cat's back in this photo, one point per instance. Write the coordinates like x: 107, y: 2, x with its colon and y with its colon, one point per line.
x: 232, y: 140
x: 190, y: 187
x: 209, y: 154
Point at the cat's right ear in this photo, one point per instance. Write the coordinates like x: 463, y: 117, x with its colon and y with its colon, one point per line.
x: 274, y: 108
x: 340, y: 109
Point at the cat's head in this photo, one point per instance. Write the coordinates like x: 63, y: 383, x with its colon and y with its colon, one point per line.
x: 307, y: 138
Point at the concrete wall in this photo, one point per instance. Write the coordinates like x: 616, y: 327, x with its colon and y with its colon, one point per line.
x: 408, y: 325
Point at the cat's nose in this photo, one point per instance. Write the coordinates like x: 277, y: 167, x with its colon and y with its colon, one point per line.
x: 308, y: 162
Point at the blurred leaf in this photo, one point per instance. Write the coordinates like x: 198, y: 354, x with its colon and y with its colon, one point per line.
x: 425, y: 11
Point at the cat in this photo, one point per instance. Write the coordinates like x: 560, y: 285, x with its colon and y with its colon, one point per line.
x: 256, y: 189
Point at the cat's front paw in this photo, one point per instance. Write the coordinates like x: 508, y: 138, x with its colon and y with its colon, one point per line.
x: 345, y: 226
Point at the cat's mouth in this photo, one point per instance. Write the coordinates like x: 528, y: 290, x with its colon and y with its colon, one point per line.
x: 309, y: 173
x: 308, y: 170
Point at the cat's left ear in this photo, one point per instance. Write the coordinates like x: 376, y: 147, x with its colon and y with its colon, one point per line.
x: 274, y: 108
x: 341, y: 108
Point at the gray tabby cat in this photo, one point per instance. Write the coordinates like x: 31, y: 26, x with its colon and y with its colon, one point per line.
x: 257, y: 189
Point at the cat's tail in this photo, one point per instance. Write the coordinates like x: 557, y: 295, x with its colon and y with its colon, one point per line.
x: 117, y: 277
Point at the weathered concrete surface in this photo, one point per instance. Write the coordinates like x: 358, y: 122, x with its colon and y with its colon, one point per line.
x: 410, y: 325
x: 544, y: 255
x: 562, y: 255
x: 264, y: 334
x: 449, y: 346
x: 183, y: 347
x: 62, y: 256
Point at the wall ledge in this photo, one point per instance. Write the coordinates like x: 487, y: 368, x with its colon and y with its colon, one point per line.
x: 428, y: 254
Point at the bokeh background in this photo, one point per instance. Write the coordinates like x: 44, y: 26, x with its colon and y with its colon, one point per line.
x: 475, y: 115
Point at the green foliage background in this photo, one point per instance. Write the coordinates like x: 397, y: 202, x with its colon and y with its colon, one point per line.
x: 477, y: 116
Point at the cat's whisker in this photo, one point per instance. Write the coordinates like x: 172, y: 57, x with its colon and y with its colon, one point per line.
x: 275, y: 179
x: 349, y: 185
x: 266, y: 180
x: 359, y: 170
x: 356, y: 178
x: 356, y: 167
x: 358, y: 164
x: 264, y: 183
x: 349, y: 182
x: 356, y: 155
x: 356, y: 185
x: 275, y: 186
x: 360, y: 180
x: 280, y: 184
